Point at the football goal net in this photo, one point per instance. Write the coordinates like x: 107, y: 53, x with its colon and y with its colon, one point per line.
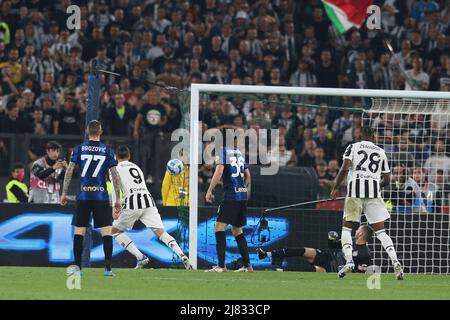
x: 293, y: 139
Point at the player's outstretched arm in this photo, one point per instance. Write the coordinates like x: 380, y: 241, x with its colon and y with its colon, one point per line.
x: 214, y: 181
x: 116, y: 189
x: 340, y: 178
x: 67, y: 179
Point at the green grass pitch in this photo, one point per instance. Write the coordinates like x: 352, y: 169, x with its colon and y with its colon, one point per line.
x: 50, y: 283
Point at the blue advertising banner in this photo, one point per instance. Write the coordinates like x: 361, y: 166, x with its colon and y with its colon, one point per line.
x: 42, y: 235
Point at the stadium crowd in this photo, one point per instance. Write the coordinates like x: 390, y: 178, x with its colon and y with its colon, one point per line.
x: 44, y: 70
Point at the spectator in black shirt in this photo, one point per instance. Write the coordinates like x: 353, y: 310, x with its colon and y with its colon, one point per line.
x: 38, y: 122
x: 325, y: 179
x: 274, y: 49
x: 212, y: 115
x: 216, y: 52
x: 159, y: 62
x: 50, y: 115
x: 118, y: 117
x: 28, y: 108
x: 114, y: 42
x: 327, y: 72
x: 93, y: 45
x: 185, y: 48
x: 173, y: 115
x: 137, y: 78
x: 352, y: 51
x: 11, y: 122
x: 417, y: 43
x: 320, y: 25
x: 326, y: 143
x: 152, y: 118
x: 306, y: 155
x: 69, y: 117
x: 333, y: 168
x: 229, y: 40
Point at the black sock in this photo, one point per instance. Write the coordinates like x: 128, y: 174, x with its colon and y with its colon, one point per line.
x: 288, y: 252
x: 78, y: 249
x: 243, y: 249
x: 221, y: 245
x: 107, y: 249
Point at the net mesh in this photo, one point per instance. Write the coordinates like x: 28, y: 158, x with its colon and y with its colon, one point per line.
x: 414, y: 134
x: 314, y: 132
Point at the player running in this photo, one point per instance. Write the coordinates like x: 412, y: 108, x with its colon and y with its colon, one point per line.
x: 233, y: 170
x: 138, y: 204
x: 94, y: 159
x: 367, y: 163
x: 328, y: 260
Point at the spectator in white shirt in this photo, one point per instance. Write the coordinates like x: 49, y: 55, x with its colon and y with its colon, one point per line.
x: 438, y: 161
x: 303, y: 77
x: 417, y: 79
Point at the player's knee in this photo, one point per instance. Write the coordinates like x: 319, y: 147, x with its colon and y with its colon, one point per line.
x: 236, y: 231
x: 80, y: 231
x: 158, y: 231
x: 106, y: 231
x: 220, y: 227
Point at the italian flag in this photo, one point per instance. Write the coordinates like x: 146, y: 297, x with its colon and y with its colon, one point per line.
x: 345, y: 14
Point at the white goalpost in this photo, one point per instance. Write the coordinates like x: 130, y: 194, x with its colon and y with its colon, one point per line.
x: 382, y: 101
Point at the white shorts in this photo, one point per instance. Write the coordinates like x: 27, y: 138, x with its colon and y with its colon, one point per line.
x: 149, y: 217
x: 374, y: 209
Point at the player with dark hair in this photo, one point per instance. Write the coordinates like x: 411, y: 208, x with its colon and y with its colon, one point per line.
x: 94, y: 159
x: 328, y: 260
x: 369, y: 172
x: 232, y: 169
x: 138, y: 204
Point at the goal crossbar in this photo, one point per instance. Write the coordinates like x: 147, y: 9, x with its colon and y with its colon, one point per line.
x: 198, y: 88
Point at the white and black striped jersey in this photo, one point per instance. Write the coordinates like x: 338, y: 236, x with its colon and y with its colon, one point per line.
x: 369, y: 162
x: 135, y: 192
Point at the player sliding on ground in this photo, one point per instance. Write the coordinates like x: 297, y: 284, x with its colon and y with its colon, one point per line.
x: 232, y: 168
x: 367, y: 163
x: 138, y: 204
x: 327, y: 260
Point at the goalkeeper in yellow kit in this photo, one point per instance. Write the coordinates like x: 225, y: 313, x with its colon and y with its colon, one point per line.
x: 175, y: 188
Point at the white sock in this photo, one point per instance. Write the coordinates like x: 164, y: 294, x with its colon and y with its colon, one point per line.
x: 171, y: 243
x: 347, y: 244
x: 269, y: 254
x: 128, y: 244
x: 387, y: 244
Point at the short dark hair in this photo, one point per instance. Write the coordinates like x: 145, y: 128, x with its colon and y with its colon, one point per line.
x: 368, y: 132
x: 18, y: 166
x: 94, y: 127
x: 368, y: 232
x: 122, y: 152
x: 53, y: 145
